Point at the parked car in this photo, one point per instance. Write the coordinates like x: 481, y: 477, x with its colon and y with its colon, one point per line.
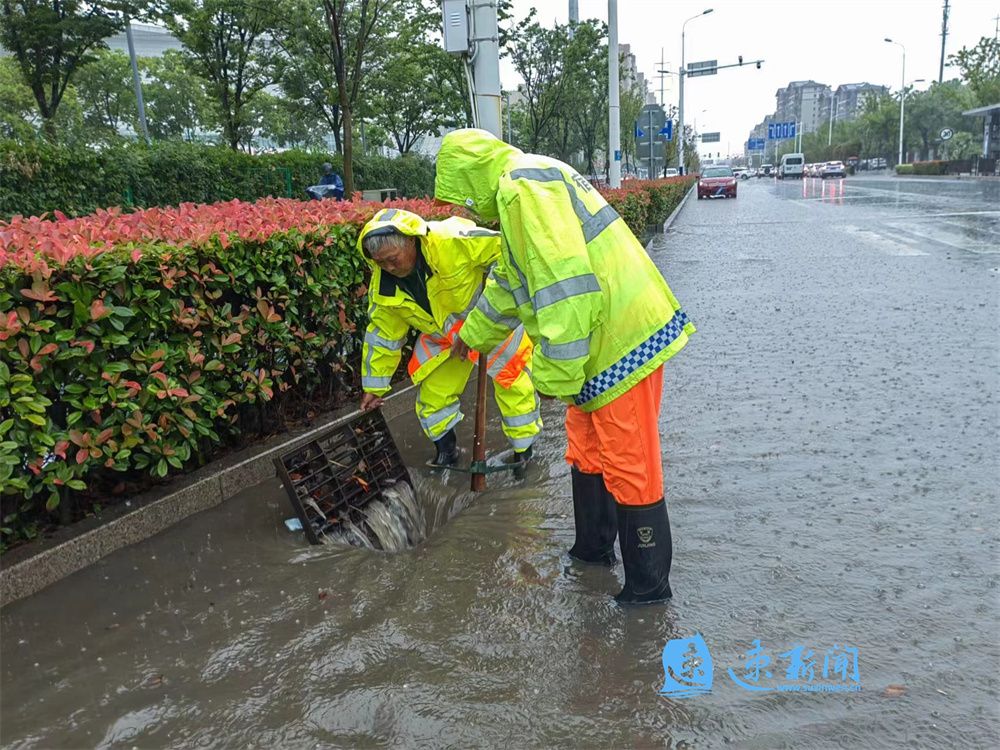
x: 833, y: 169
x: 717, y: 182
x: 791, y: 166
x: 672, y: 172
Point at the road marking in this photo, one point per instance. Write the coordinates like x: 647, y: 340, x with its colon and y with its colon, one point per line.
x: 877, y: 239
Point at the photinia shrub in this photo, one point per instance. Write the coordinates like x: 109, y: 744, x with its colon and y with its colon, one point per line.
x: 136, y: 344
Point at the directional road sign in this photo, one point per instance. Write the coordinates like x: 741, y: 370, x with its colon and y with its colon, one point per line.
x: 667, y: 131
x: 780, y: 130
x: 756, y: 144
x: 703, y: 68
x: 711, y: 137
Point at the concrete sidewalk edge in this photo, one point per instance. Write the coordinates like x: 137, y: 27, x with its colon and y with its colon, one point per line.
x: 676, y: 212
x: 204, y: 489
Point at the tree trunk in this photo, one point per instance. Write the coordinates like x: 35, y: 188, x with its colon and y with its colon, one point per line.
x: 49, y: 129
x: 347, y: 123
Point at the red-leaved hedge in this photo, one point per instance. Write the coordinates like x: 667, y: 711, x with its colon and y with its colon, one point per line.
x: 133, y: 344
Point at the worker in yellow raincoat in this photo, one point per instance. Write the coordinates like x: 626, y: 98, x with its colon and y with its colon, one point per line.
x: 604, y: 321
x: 428, y: 275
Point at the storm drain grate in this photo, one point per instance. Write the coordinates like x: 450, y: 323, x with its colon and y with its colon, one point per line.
x: 331, y: 480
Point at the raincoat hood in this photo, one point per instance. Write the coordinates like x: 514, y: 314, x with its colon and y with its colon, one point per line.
x: 391, y: 221
x: 469, y: 166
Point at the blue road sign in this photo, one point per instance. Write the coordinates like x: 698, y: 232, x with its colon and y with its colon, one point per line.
x: 780, y: 130
x: 618, y: 155
x: 639, y: 132
x: 755, y: 144
x: 667, y: 130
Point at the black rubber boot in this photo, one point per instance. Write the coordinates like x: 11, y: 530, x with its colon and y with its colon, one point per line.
x: 447, y: 451
x: 647, y: 550
x: 520, y: 460
x: 594, y: 519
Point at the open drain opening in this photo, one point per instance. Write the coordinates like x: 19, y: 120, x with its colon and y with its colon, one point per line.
x: 350, y: 485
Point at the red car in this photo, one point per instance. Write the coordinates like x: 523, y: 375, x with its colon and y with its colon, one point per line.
x: 717, y: 181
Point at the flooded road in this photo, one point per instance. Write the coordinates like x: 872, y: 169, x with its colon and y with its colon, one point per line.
x: 830, y: 450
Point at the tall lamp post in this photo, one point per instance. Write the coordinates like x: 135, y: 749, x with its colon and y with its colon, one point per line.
x: 680, y: 103
x: 902, y: 98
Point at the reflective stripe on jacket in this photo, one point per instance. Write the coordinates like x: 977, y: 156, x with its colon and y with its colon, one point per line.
x: 599, y: 311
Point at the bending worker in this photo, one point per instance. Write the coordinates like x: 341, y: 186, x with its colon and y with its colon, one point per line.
x: 427, y: 275
x: 603, y: 320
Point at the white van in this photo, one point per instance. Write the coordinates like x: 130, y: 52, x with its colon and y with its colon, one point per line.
x: 791, y: 166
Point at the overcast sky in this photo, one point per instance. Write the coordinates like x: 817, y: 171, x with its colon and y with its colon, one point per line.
x: 830, y: 41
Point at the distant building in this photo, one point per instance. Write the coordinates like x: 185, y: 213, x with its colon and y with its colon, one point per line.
x: 804, y: 102
x: 630, y: 71
x: 849, y: 99
x: 150, y: 40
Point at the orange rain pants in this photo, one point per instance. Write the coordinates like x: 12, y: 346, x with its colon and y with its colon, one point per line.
x: 621, y: 440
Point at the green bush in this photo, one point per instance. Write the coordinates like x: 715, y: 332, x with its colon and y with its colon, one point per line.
x: 648, y: 203
x: 930, y: 167
x: 150, y: 357
x: 904, y: 169
x: 38, y: 177
x: 200, y: 328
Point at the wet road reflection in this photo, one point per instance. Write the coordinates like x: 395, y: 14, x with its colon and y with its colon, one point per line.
x: 830, y: 458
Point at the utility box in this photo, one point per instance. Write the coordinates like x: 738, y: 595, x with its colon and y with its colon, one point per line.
x: 456, y: 26
x: 381, y: 195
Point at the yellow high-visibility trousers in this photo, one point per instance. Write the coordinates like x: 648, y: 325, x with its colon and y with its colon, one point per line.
x: 438, y: 407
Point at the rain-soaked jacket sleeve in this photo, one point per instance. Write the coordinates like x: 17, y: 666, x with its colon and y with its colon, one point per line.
x: 548, y: 249
x: 384, y: 340
x: 494, y: 316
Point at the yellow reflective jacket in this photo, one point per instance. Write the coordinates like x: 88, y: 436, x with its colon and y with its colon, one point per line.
x: 600, y: 313
x: 458, y: 253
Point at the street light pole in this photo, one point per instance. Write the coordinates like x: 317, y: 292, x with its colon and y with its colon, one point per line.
x: 833, y: 110
x: 614, y: 102
x: 680, y: 103
x: 902, y: 99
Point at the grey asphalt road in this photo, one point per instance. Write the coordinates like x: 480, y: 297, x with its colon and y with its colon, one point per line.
x: 830, y: 441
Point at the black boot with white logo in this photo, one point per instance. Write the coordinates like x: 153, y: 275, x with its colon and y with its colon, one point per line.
x: 594, y: 518
x: 447, y: 451
x: 647, y: 550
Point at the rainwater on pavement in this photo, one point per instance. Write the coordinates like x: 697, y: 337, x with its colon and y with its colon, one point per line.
x: 830, y: 443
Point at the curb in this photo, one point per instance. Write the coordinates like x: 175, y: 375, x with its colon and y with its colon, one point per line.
x: 204, y: 489
x: 673, y: 216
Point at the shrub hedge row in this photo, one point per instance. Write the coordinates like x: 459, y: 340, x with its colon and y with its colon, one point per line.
x: 923, y: 167
x: 137, y: 344
x: 38, y: 177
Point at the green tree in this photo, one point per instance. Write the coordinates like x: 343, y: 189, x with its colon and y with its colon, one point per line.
x: 286, y: 123
x: 358, y: 31
x: 51, y: 40
x: 177, y: 103
x: 413, y: 93
x: 941, y: 106
x: 980, y: 68
x: 539, y: 57
x: 17, y: 104
x: 588, y: 102
x: 630, y: 100
x: 105, y: 88
x: 229, y: 44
